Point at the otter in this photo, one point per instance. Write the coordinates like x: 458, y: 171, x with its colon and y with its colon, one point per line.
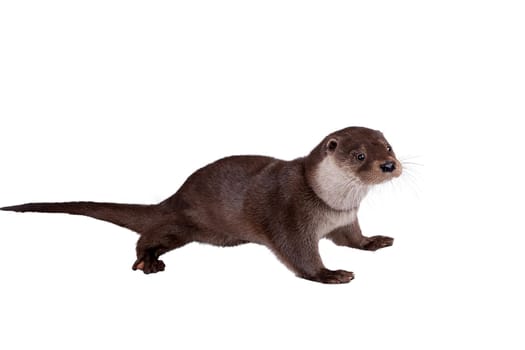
x: 288, y: 206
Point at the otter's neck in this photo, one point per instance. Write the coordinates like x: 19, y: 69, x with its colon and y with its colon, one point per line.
x: 339, y: 189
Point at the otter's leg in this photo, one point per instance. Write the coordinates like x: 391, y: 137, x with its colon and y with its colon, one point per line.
x: 302, y: 257
x: 351, y: 236
x: 153, y: 244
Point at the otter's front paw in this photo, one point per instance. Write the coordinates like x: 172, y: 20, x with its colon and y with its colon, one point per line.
x: 378, y: 242
x: 332, y: 277
x: 149, y: 266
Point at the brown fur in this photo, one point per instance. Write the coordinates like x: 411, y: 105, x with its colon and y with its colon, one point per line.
x: 284, y: 205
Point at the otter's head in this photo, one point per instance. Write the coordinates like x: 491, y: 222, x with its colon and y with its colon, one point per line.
x: 347, y: 162
x: 363, y: 153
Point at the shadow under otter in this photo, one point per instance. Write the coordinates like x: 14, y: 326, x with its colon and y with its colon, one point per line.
x: 287, y: 206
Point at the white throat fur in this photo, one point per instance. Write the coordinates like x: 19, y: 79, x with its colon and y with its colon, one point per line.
x: 339, y: 189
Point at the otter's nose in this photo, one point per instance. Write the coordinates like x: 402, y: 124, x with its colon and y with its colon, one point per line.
x: 388, y: 167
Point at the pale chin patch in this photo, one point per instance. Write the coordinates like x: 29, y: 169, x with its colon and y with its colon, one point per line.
x: 339, y: 189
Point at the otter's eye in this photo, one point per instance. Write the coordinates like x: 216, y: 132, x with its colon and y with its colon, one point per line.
x: 389, y: 148
x: 361, y: 157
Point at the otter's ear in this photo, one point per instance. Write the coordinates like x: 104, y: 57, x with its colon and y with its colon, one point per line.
x: 331, y: 145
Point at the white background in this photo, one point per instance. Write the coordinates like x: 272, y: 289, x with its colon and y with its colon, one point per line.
x: 122, y: 100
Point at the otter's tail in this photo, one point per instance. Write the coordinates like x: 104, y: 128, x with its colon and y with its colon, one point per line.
x: 135, y: 217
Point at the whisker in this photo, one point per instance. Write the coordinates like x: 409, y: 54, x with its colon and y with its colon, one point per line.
x: 412, y: 173
x: 410, y: 157
x: 411, y: 163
